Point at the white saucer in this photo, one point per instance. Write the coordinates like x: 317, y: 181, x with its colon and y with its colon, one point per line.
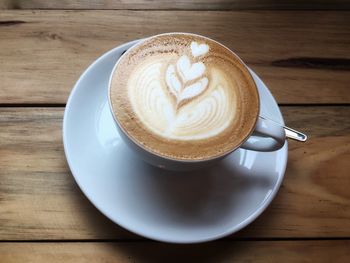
x: 166, y: 206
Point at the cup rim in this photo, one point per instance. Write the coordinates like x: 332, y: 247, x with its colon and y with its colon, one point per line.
x: 216, y: 157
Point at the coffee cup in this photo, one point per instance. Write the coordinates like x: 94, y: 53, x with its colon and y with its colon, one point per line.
x: 182, y: 101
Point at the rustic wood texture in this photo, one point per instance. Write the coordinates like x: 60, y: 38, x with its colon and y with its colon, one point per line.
x: 304, y: 56
x: 180, y: 4
x: 243, y: 251
x: 39, y: 199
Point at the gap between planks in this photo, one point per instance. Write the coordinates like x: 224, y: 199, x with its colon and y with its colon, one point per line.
x: 142, y: 240
x: 63, y: 105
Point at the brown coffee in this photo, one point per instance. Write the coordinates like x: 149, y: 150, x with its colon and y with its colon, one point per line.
x: 184, y: 97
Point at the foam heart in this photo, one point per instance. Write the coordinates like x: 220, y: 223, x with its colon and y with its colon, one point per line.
x: 189, y: 71
x: 198, y: 50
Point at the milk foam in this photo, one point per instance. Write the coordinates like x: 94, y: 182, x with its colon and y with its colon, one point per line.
x: 198, y: 49
x: 183, y: 100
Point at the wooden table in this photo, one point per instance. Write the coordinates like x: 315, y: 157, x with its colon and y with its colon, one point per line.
x: 303, y: 55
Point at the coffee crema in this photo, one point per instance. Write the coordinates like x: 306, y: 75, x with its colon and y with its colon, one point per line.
x: 184, y: 97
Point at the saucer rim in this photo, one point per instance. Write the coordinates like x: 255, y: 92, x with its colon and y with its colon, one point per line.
x: 233, y: 229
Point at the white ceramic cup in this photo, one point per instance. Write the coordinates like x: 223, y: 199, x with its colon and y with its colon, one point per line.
x: 269, y: 137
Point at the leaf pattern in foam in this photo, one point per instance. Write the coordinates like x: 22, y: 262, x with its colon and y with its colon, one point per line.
x: 186, y: 71
x: 193, y: 90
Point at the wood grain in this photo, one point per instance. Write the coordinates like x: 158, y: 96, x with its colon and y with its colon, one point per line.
x: 244, y: 251
x: 180, y: 4
x: 39, y: 199
x: 304, y: 57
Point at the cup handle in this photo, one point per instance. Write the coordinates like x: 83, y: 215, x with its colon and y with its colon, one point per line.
x: 271, y: 135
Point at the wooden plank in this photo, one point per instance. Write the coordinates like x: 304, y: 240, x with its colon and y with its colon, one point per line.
x: 180, y: 4
x: 243, y: 251
x: 40, y: 200
x: 38, y: 196
x: 304, y: 57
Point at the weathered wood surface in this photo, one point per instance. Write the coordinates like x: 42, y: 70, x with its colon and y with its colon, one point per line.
x: 179, y: 4
x: 304, y: 56
x: 39, y: 199
x: 243, y: 251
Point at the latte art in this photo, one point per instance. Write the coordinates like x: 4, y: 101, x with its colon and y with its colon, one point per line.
x: 186, y: 108
x: 178, y: 95
x: 179, y: 87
